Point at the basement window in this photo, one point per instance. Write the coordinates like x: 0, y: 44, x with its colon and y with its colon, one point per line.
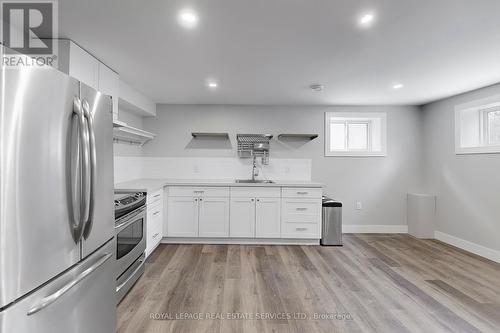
x: 477, y: 127
x: 355, y: 134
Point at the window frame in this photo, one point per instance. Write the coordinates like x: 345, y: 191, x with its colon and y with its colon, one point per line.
x: 485, y: 125
x: 482, y: 107
x: 357, y: 118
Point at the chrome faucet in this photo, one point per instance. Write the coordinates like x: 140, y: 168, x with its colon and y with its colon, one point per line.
x: 255, y: 171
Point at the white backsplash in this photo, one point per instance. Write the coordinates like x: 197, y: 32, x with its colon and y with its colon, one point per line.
x: 128, y: 168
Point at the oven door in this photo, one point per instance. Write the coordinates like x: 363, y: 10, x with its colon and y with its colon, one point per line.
x: 130, y: 239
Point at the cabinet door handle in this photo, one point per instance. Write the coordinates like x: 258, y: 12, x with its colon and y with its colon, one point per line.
x: 195, y: 199
x: 258, y: 199
x: 201, y: 199
x: 156, y: 196
x: 156, y: 213
x: 252, y: 200
x: 301, y: 208
x: 301, y: 229
x: 302, y: 193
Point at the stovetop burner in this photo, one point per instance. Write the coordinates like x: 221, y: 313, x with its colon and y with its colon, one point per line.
x: 126, y: 202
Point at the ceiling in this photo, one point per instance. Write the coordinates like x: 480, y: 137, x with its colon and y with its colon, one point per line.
x: 270, y: 51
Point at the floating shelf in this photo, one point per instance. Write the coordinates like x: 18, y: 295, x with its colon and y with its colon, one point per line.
x: 210, y: 135
x: 123, y: 133
x: 298, y: 136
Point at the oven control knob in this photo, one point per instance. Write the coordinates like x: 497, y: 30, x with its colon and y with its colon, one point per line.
x: 117, y: 203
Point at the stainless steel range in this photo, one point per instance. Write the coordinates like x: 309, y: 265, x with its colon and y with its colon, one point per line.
x: 130, y: 231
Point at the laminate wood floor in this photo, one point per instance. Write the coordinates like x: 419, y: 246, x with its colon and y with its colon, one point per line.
x: 374, y: 283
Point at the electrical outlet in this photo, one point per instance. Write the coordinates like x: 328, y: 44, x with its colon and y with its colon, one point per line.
x: 359, y: 205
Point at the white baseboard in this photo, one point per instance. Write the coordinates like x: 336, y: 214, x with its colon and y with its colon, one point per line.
x: 468, y: 246
x: 245, y: 241
x: 375, y: 229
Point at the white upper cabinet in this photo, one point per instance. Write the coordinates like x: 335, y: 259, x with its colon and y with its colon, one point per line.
x: 78, y: 63
x: 109, y: 84
x: 134, y: 101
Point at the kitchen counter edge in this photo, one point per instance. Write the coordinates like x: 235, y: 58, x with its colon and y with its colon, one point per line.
x: 151, y: 185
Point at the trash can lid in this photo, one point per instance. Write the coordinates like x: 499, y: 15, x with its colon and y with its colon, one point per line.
x: 327, y: 202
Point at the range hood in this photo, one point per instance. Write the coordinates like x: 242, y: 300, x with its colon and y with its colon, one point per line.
x: 123, y: 133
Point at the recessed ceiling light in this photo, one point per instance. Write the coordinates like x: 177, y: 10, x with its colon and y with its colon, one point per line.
x: 187, y: 18
x: 212, y: 84
x: 397, y: 86
x: 366, y: 20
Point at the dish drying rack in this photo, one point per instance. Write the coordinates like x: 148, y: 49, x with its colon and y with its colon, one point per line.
x: 254, y: 145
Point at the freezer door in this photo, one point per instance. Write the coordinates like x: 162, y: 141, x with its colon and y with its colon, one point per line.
x: 81, y: 300
x: 37, y: 219
x: 99, y: 113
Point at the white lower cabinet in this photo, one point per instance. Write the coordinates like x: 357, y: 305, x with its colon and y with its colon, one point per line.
x: 242, y: 218
x: 213, y: 217
x: 267, y: 218
x: 255, y: 217
x: 301, y: 218
x: 154, y: 221
x: 193, y: 212
x: 182, y: 217
x: 244, y: 212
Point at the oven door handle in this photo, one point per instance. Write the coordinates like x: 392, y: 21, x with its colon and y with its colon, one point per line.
x: 141, y: 260
x: 129, y: 220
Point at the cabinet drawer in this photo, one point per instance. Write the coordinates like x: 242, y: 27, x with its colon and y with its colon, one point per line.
x: 255, y: 192
x: 189, y: 191
x: 154, y: 209
x: 154, y: 232
x: 301, y: 192
x: 299, y: 230
x: 154, y: 197
x: 301, y: 210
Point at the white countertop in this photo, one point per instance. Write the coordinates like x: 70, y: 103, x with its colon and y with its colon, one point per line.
x: 150, y: 185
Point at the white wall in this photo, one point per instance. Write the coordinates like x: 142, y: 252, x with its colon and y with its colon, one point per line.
x: 380, y: 183
x: 467, y: 186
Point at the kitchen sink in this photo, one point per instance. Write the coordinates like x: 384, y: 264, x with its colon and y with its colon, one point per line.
x: 254, y: 181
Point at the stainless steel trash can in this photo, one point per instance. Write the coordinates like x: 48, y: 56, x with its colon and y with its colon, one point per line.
x: 332, y: 222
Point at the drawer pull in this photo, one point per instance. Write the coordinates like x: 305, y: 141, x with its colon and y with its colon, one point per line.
x: 300, y: 229
x: 156, y: 213
x: 303, y: 193
x: 301, y: 208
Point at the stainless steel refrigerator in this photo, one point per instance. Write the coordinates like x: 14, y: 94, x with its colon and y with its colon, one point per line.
x: 57, y: 247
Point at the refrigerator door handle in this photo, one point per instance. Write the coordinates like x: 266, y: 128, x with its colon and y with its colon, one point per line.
x: 77, y: 169
x: 92, y: 163
x: 46, y: 301
x: 85, y: 169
